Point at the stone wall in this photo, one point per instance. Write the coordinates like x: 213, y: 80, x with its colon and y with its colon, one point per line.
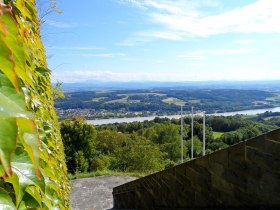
x: 243, y: 176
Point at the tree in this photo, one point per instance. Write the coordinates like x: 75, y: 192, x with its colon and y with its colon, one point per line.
x: 197, y: 146
x: 140, y: 155
x: 107, y: 141
x: 168, y: 137
x: 79, y: 142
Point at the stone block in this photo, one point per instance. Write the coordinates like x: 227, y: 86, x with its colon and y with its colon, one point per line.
x: 274, y: 135
x: 257, y: 143
x: 272, y: 147
x: 243, y: 176
x: 264, y: 161
x: 220, y: 157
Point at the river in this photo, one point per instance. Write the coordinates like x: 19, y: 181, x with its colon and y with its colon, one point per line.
x: 142, y: 119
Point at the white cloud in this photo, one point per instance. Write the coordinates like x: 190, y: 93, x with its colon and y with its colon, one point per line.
x: 231, y: 73
x: 132, y: 41
x: 185, y: 19
x: 104, y: 55
x: 245, y: 41
x: 200, y: 54
x: 80, y: 76
x: 77, y: 48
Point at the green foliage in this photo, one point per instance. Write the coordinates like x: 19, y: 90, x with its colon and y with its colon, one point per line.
x: 197, y: 146
x: 108, y: 149
x: 243, y: 133
x: 140, y: 155
x: 79, y: 141
x: 106, y: 173
x: 32, y: 168
x: 149, y: 146
x: 57, y: 91
x: 101, y: 163
x: 167, y: 136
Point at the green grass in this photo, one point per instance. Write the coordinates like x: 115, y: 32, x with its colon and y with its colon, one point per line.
x: 142, y: 94
x: 249, y: 117
x: 122, y: 101
x: 194, y: 101
x: 98, y: 99
x: 104, y: 91
x: 269, y: 118
x: 105, y: 173
x: 175, y: 101
x: 217, y: 134
x: 274, y: 98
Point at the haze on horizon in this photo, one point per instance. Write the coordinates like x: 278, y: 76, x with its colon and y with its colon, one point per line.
x: 164, y: 40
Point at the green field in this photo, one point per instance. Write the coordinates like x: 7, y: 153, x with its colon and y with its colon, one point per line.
x: 104, y: 91
x: 194, y: 101
x: 217, y: 134
x: 274, y: 98
x: 142, y: 94
x: 122, y: 100
x: 175, y: 101
x: 269, y: 118
x: 249, y: 116
x: 98, y: 99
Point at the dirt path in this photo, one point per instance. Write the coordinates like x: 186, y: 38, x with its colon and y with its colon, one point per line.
x: 95, y: 193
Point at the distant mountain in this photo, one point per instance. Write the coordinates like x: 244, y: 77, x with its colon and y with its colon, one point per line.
x: 111, y: 85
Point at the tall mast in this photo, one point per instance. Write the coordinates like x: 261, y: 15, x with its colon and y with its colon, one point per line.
x: 182, y: 135
x: 192, y: 135
x: 204, y: 130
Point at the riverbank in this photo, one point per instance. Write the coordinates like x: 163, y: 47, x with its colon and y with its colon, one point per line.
x: 142, y: 119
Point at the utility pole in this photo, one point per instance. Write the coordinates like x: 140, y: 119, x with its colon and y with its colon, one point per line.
x: 192, y: 136
x: 204, y: 130
x: 182, y: 135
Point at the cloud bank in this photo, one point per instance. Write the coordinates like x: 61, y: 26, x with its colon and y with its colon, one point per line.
x: 179, y: 20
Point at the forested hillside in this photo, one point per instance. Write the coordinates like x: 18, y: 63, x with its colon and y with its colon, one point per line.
x: 130, y: 103
x: 149, y: 146
x: 32, y: 168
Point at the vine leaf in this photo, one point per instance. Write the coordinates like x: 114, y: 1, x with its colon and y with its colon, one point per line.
x: 7, y: 63
x: 15, y: 182
x: 6, y: 201
x: 28, y: 133
x: 2, y: 171
x: 23, y: 177
x: 35, y: 193
x: 8, y: 136
x: 10, y: 108
x: 12, y: 51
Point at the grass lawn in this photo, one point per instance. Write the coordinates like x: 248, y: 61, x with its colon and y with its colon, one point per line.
x: 217, y: 134
x: 105, y: 173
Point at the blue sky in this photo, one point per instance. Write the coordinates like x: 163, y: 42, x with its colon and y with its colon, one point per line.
x: 164, y: 40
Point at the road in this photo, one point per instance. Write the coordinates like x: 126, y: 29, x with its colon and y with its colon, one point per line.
x: 95, y: 193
